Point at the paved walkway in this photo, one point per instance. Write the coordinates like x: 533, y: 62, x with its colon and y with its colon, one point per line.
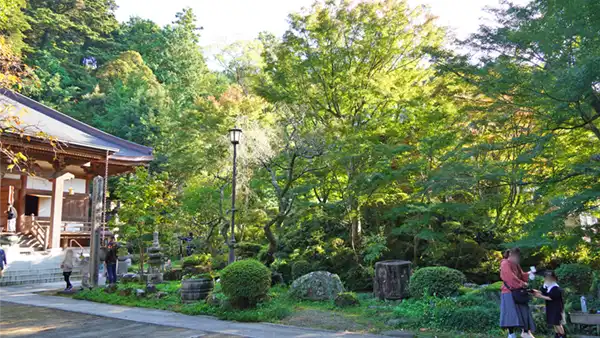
x: 24, y: 296
x: 29, y: 321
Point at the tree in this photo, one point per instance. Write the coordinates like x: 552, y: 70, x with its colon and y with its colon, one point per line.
x: 127, y: 102
x: 360, y: 70
x: 67, y: 41
x: 146, y: 202
x: 539, y: 67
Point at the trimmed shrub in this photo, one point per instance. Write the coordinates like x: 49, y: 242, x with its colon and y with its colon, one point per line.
x: 576, y: 277
x: 245, y: 282
x: 300, y: 268
x: 196, y: 260
x: 437, y: 281
x: 247, y: 250
x: 346, y: 299
x: 358, y: 278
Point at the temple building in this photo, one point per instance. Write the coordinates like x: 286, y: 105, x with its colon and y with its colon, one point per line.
x: 52, y: 197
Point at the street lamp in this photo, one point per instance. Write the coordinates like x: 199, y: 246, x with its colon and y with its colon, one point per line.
x: 234, y: 135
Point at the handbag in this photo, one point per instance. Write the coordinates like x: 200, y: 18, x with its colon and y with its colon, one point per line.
x: 520, y: 295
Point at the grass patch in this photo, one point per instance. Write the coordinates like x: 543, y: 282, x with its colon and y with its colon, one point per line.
x: 430, y: 317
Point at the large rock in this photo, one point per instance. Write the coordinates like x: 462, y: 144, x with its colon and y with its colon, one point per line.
x: 318, y: 285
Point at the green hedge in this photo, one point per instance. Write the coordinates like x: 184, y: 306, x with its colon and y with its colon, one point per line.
x: 245, y: 282
x: 576, y: 277
x: 436, y: 281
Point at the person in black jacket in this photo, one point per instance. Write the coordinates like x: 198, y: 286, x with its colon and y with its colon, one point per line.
x: 111, y: 261
x: 555, y: 309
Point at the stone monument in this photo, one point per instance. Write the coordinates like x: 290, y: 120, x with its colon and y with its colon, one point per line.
x: 155, y: 261
x: 391, y: 279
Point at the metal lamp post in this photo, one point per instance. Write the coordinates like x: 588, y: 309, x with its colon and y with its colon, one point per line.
x: 234, y: 135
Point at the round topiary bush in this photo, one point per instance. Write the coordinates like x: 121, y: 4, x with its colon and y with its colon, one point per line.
x: 245, y: 282
x: 437, y: 281
x: 300, y: 268
x: 576, y: 277
x: 346, y: 299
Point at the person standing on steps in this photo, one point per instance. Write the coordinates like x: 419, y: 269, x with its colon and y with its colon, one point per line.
x: 111, y: 261
x: 11, y: 216
x: 515, y: 314
x: 67, y: 267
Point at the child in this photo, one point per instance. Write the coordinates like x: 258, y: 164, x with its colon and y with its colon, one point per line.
x: 67, y: 268
x: 552, y: 294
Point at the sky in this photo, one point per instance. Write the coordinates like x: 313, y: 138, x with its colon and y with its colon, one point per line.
x: 227, y: 21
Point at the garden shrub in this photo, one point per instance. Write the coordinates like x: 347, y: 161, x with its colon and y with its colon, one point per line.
x: 219, y: 261
x: 245, y: 282
x: 300, y: 268
x: 358, y: 278
x: 247, y: 250
x: 173, y: 275
x: 448, y: 314
x: 346, y: 299
x: 439, y: 281
x: 576, y: 277
x: 471, y: 318
x: 283, y: 268
x: 196, y: 260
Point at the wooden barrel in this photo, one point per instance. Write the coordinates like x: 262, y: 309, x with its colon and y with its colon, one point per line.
x: 193, y: 290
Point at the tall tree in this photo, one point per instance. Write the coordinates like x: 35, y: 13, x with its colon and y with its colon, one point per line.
x: 360, y: 69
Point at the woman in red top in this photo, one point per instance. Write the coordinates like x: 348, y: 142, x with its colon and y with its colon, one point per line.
x: 514, y: 316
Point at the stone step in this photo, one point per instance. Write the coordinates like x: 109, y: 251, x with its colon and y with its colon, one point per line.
x: 35, y: 277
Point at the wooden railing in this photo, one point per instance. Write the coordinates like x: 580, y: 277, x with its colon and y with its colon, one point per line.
x: 76, y: 227
x: 41, y: 232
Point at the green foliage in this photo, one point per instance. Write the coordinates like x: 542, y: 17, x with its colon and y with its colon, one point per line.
x: 246, y: 282
x: 147, y: 199
x: 439, y: 281
x: 576, y: 277
x: 462, y: 314
x: 346, y: 299
x: 204, y: 260
x: 300, y: 268
x: 284, y: 268
x: 247, y: 250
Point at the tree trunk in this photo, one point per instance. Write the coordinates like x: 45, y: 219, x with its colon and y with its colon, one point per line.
x: 391, y: 279
x: 272, y: 239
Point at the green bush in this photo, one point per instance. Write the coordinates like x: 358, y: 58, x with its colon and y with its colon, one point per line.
x: 300, y: 268
x: 438, y: 281
x: 576, y: 277
x: 173, y: 275
x: 346, y: 299
x: 471, y: 318
x: 448, y: 314
x: 203, y: 260
x: 245, y: 282
x: 247, y: 250
x: 284, y: 269
x: 358, y: 278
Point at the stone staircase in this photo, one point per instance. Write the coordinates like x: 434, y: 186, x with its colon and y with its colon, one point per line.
x: 37, y: 276
x: 29, y: 263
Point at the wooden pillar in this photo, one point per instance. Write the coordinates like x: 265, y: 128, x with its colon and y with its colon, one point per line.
x: 21, y: 203
x: 58, y: 188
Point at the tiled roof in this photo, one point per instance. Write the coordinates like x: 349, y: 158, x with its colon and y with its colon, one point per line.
x: 68, y: 130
